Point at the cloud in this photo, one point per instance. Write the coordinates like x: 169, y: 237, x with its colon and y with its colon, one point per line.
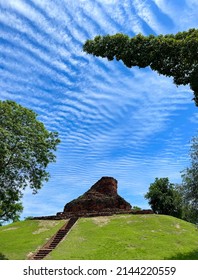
x: 194, y: 118
x: 182, y: 13
x: 112, y: 120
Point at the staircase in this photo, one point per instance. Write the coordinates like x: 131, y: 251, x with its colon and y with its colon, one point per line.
x: 54, y: 241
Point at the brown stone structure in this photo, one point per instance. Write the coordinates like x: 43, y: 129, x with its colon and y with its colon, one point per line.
x: 101, y: 197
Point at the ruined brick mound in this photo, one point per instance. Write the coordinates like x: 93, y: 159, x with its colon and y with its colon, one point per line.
x: 101, y: 197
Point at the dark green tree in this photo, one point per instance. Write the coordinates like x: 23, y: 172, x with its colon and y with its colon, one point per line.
x: 26, y: 149
x: 189, y: 187
x: 170, y: 55
x: 10, y: 205
x: 164, y: 198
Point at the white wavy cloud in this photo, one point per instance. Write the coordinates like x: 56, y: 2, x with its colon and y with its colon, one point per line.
x: 112, y: 121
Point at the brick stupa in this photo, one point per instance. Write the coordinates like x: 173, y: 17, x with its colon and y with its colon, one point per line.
x: 101, y: 197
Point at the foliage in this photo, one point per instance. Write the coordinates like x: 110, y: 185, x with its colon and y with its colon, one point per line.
x: 26, y: 149
x: 10, y: 205
x: 164, y: 198
x: 136, y: 208
x: 189, y: 188
x: 28, y: 218
x: 170, y: 55
x: 2, y: 257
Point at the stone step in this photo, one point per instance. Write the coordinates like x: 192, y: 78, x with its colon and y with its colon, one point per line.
x: 61, y: 233
x: 41, y: 254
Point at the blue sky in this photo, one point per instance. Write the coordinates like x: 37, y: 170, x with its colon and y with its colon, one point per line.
x: 131, y: 124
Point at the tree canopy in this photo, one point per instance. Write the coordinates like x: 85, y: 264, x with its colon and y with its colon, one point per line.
x: 164, y: 198
x: 189, y: 188
x: 170, y: 55
x: 26, y: 149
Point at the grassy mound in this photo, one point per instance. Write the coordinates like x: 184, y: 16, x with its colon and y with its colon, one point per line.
x: 19, y: 240
x: 129, y: 237
x: 154, y: 237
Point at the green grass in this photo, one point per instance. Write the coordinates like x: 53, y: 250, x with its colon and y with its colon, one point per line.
x: 125, y: 237
x: 18, y: 240
x: 119, y: 237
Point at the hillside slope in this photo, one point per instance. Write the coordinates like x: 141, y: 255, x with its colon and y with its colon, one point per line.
x: 109, y: 237
x: 18, y: 240
x: 129, y: 237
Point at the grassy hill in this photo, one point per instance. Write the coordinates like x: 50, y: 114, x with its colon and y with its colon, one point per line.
x: 111, y: 237
x: 18, y: 240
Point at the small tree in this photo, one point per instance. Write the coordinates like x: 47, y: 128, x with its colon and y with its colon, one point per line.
x: 26, y: 149
x: 164, y: 198
x: 170, y: 55
x: 136, y: 208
